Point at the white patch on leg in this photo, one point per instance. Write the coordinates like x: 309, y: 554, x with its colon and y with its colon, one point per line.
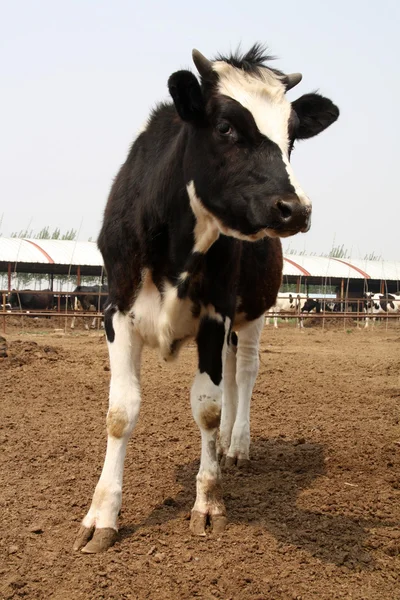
x: 229, y: 401
x: 206, y: 402
x: 125, y: 352
x: 206, y: 398
x: 247, y: 363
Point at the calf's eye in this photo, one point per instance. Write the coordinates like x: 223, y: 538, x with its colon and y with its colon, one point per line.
x: 224, y: 128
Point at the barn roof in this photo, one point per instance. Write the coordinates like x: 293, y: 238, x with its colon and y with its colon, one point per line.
x: 50, y: 256
x: 321, y: 266
x: 60, y: 252
x: 46, y: 256
x: 341, y: 268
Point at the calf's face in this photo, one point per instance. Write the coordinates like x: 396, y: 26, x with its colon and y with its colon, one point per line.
x: 242, y: 130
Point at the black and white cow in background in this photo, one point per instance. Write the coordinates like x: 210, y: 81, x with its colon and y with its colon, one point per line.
x: 63, y: 302
x: 87, y: 298
x: 287, y: 303
x: 190, y: 241
x: 319, y: 305
x: 380, y: 304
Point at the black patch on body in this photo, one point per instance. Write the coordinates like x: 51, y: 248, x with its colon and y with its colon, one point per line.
x: 210, y: 341
x: 108, y: 323
x: 234, y: 338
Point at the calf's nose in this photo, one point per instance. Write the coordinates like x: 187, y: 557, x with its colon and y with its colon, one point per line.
x: 292, y: 214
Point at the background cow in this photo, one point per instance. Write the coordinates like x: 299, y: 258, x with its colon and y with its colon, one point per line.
x: 380, y: 304
x: 63, y: 302
x: 88, y: 298
x: 287, y: 303
x: 319, y: 305
x: 31, y: 300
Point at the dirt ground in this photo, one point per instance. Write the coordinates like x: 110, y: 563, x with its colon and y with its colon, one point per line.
x: 317, y: 515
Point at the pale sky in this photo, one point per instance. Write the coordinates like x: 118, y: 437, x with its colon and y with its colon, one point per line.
x: 78, y: 79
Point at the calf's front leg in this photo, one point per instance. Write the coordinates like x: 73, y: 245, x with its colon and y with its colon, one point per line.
x: 100, y: 525
x: 206, y: 398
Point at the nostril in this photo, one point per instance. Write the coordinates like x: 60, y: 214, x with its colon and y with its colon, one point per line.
x: 285, y: 209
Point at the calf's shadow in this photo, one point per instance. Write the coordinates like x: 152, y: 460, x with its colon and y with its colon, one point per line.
x: 266, y: 496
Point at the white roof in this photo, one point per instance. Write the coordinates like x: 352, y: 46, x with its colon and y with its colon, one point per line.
x: 64, y: 252
x: 320, y: 266
x: 59, y: 252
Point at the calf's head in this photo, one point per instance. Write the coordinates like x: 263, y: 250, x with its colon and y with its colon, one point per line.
x: 241, y: 129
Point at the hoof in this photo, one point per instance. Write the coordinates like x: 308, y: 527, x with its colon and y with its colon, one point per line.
x: 230, y: 461
x: 101, y: 541
x: 243, y: 463
x: 221, y: 459
x: 218, y: 523
x: 198, y: 523
x: 233, y: 461
x: 84, y: 535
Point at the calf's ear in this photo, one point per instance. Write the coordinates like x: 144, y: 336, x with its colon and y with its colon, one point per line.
x: 187, y: 95
x: 315, y: 113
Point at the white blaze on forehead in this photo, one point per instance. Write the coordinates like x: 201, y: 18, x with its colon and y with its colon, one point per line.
x: 264, y: 96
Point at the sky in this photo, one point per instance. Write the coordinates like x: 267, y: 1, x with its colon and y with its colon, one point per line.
x: 79, y: 78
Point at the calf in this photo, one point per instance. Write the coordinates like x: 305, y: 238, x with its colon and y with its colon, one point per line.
x: 190, y: 242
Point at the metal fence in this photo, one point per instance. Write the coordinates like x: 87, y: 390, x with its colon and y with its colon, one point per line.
x: 360, y: 314
x: 56, y: 311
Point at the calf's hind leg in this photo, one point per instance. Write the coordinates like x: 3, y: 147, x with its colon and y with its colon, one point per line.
x: 99, y: 527
x: 229, y: 400
x: 247, y: 363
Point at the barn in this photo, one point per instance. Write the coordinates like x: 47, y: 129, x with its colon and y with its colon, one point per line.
x: 346, y: 277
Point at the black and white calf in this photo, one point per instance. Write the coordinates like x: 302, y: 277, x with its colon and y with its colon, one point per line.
x: 190, y: 242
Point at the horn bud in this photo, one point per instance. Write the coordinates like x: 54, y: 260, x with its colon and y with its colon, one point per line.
x: 203, y: 65
x: 292, y: 80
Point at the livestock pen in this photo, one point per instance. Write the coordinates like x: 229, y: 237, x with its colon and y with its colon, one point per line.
x: 67, y: 263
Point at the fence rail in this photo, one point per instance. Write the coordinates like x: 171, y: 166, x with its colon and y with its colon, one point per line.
x: 63, y: 312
